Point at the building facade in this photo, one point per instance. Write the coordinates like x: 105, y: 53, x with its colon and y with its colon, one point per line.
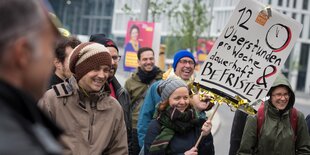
x: 85, y: 17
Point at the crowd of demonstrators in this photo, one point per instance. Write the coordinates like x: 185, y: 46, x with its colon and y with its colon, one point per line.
x: 99, y: 116
x: 274, y: 132
x: 26, y: 56
x: 117, y: 91
x: 137, y: 85
x: 176, y: 126
x: 183, y: 68
x: 93, y: 120
x: 64, y: 47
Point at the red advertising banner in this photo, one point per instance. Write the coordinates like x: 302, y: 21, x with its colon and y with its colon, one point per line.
x: 203, y: 49
x: 139, y: 34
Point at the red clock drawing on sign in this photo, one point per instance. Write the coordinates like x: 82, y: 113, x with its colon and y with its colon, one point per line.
x: 278, y: 37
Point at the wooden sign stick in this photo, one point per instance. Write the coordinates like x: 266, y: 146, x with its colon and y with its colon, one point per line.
x: 210, y: 118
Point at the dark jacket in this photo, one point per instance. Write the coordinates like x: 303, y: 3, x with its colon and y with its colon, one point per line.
x: 308, y: 123
x: 24, y: 128
x: 276, y: 133
x: 54, y: 80
x: 237, y: 131
x: 181, y: 143
x: 124, y: 99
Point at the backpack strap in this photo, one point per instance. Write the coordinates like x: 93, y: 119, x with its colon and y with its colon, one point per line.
x: 293, y: 121
x: 260, y: 118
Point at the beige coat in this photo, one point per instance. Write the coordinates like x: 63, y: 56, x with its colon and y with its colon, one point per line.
x: 90, y: 129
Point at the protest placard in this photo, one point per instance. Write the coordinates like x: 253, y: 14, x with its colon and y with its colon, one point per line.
x: 248, y: 55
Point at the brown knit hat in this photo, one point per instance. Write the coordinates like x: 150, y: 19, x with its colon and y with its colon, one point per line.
x: 88, y: 56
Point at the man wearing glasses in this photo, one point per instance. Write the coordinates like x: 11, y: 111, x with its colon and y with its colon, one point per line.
x: 117, y: 91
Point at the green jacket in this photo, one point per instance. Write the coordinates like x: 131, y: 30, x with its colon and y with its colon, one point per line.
x: 137, y: 91
x: 276, y: 133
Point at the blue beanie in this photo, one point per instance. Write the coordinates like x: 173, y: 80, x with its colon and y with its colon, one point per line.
x: 179, y: 55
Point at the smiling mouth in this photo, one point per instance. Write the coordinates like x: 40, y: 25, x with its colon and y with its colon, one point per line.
x: 98, y: 82
x: 186, y: 72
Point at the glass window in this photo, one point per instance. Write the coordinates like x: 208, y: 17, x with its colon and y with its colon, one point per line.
x: 303, y: 61
x: 287, y: 3
x: 302, y: 22
x: 286, y: 66
x: 280, y: 3
x: 294, y: 4
x: 305, y: 4
x: 302, y: 18
x: 294, y: 15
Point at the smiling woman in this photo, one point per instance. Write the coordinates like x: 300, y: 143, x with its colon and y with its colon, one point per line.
x: 176, y: 126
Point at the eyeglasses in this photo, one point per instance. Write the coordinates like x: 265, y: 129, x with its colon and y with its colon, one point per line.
x: 183, y: 61
x: 285, y: 95
x: 116, y: 58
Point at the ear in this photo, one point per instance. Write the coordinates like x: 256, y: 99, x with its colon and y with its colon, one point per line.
x: 57, y: 63
x: 21, y: 51
x: 138, y: 61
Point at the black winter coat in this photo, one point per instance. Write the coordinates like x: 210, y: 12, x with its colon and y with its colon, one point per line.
x: 308, y: 123
x: 123, y: 98
x: 181, y: 143
x: 24, y: 129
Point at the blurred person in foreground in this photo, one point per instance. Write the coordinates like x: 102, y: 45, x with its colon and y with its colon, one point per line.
x: 117, y: 91
x: 27, y: 46
x: 64, y: 47
x: 93, y: 120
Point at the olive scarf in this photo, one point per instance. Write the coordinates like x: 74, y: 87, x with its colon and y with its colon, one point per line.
x: 172, y: 121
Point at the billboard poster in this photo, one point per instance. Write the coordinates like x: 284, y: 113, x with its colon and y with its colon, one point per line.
x: 203, y: 49
x: 139, y: 34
